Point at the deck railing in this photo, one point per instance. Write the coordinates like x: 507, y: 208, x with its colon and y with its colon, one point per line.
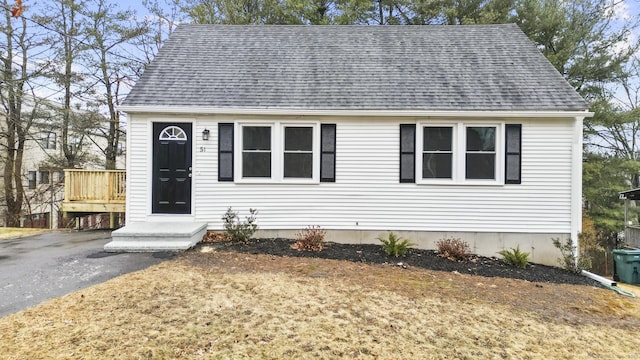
x: 96, y: 186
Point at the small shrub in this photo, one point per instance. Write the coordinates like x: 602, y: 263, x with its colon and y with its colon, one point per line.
x: 515, y: 257
x: 453, y: 249
x: 569, y: 261
x: 239, y: 231
x: 394, y: 245
x: 310, y: 239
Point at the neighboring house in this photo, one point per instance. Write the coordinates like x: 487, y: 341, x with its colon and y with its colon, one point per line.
x: 44, y: 183
x: 429, y: 131
x: 43, y: 179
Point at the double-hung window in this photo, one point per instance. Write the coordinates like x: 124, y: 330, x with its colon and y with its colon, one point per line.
x: 277, y: 152
x: 480, y: 156
x: 298, y: 152
x: 256, y: 151
x: 437, y: 152
x: 461, y: 153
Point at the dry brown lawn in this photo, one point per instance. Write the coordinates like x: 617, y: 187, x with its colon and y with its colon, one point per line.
x: 225, y: 305
x: 10, y: 233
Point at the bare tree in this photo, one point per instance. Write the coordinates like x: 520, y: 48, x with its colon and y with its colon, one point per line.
x: 19, y: 107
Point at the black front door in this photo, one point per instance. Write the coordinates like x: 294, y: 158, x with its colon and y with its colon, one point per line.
x: 171, y: 168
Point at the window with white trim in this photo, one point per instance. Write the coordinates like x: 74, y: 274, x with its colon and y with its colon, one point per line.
x: 276, y: 152
x: 459, y: 152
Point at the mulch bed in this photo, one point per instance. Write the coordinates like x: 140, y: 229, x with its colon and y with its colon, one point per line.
x: 427, y: 259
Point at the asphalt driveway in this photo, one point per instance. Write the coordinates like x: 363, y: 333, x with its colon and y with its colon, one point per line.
x: 40, y: 267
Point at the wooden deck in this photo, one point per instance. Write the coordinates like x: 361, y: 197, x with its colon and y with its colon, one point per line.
x: 94, y: 191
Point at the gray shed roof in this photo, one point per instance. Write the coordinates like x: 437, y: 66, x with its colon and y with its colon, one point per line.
x: 487, y: 67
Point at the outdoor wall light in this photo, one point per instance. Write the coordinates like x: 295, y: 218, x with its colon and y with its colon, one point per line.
x: 205, y: 134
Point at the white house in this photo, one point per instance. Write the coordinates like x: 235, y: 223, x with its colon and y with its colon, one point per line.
x: 429, y: 131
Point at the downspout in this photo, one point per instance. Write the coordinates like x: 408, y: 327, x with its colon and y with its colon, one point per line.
x: 607, y: 283
x: 576, y: 185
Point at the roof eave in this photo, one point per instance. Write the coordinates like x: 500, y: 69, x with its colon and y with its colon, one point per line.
x: 344, y: 112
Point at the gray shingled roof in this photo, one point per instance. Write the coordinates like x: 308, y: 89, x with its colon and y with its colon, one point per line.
x: 489, y: 67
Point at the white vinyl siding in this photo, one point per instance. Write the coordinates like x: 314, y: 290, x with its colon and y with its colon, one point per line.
x: 367, y: 194
x: 139, y: 159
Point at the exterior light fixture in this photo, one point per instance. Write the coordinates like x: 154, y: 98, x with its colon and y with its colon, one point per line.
x: 205, y: 134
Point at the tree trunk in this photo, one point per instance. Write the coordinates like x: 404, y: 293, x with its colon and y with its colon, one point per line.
x: 15, y: 131
x: 68, y: 22
x: 112, y: 135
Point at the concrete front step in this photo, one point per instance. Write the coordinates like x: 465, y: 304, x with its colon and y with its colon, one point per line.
x: 150, y: 237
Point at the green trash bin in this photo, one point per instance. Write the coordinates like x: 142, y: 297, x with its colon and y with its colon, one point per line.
x: 627, y: 265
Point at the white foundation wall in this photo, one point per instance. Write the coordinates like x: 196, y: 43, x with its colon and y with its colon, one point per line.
x: 367, y: 195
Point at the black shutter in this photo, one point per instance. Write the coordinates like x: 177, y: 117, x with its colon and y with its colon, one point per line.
x: 513, y: 154
x: 328, y: 153
x: 407, y: 153
x: 225, y: 152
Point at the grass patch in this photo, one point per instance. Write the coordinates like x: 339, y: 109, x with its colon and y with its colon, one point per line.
x: 9, y: 233
x: 229, y: 305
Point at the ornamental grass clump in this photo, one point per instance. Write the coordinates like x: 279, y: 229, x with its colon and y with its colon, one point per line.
x: 394, y: 245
